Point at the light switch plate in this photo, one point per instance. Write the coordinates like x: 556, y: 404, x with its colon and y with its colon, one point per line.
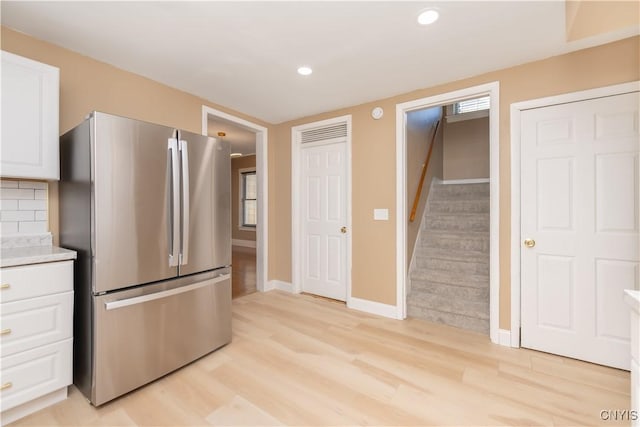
x: 381, y: 214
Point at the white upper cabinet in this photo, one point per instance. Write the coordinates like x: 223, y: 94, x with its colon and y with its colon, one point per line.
x: 30, y: 139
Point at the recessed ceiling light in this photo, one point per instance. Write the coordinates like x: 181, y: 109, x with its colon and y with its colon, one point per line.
x: 305, y: 71
x: 428, y: 16
x: 236, y: 154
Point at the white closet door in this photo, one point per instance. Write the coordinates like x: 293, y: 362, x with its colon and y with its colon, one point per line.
x: 580, y: 207
x: 324, y: 214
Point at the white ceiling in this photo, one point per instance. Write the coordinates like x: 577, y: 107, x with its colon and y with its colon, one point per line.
x: 244, y: 55
x: 242, y: 140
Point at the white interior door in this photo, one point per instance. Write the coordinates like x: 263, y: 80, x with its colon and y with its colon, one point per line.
x: 580, y: 211
x: 324, y: 220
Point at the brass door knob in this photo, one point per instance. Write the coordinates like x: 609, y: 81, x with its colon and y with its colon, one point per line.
x: 343, y: 230
x: 529, y: 243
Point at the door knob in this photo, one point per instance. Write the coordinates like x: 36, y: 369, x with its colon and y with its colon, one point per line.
x: 529, y: 243
x: 343, y: 230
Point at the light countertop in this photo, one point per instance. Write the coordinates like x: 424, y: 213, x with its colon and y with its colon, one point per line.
x: 633, y: 299
x: 11, y: 257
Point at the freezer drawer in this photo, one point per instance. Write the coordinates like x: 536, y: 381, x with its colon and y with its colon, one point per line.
x: 144, y: 333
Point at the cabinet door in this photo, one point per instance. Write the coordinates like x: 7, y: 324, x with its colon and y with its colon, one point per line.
x: 30, y: 92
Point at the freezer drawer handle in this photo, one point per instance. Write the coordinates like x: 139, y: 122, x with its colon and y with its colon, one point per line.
x: 111, y: 305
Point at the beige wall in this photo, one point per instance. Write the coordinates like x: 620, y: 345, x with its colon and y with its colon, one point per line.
x: 586, y: 18
x: 87, y: 85
x: 419, y: 134
x: 238, y: 163
x: 466, y: 149
x: 374, y: 245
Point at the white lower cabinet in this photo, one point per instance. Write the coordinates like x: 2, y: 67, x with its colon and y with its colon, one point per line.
x: 35, y: 373
x: 36, y: 336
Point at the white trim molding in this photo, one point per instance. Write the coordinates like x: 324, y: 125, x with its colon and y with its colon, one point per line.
x: 504, y: 337
x: 262, y: 230
x: 373, y: 307
x: 243, y: 243
x: 279, y: 285
x: 493, y: 90
x: 296, y: 222
x: 516, y: 112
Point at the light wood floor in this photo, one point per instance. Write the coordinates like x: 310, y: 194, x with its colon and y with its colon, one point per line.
x: 243, y: 278
x: 299, y: 360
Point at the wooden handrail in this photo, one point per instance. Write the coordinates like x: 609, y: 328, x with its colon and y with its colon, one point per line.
x: 416, y: 200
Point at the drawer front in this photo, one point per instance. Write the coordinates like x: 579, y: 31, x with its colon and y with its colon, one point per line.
x: 140, y: 337
x: 34, y: 322
x: 28, y: 375
x: 35, y: 280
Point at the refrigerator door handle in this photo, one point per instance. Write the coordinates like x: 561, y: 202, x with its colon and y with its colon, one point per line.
x: 111, y: 305
x: 174, y: 255
x: 184, y: 252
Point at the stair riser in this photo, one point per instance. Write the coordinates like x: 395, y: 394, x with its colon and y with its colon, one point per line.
x: 478, y: 310
x: 471, y: 243
x: 478, y: 295
x: 449, y: 278
x: 463, y: 322
x: 448, y: 254
x: 478, y: 223
x: 454, y: 190
x: 467, y: 267
x: 464, y: 206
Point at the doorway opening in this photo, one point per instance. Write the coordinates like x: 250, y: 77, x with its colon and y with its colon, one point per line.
x: 249, y: 200
x: 459, y: 175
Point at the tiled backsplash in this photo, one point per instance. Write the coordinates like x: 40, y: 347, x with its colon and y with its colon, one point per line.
x: 23, y: 207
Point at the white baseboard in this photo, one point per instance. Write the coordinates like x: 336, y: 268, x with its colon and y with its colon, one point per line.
x: 504, y: 337
x: 21, y: 411
x: 244, y: 243
x: 465, y: 181
x: 373, y: 307
x: 280, y: 285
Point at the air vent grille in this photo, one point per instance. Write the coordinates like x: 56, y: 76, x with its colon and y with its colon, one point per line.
x: 321, y: 134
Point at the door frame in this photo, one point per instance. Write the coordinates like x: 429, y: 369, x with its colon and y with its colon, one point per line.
x: 516, y: 113
x: 296, y: 176
x: 493, y: 90
x: 262, y: 230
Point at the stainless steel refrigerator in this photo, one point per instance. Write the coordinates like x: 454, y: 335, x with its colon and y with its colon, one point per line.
x: 147, y: 208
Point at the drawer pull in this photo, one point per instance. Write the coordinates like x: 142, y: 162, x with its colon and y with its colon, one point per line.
x: 6, y: 386
x: 5, y: 286
x: 5, y: 331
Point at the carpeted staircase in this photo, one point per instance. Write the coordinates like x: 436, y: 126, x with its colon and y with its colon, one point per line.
x: 450, y: 270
